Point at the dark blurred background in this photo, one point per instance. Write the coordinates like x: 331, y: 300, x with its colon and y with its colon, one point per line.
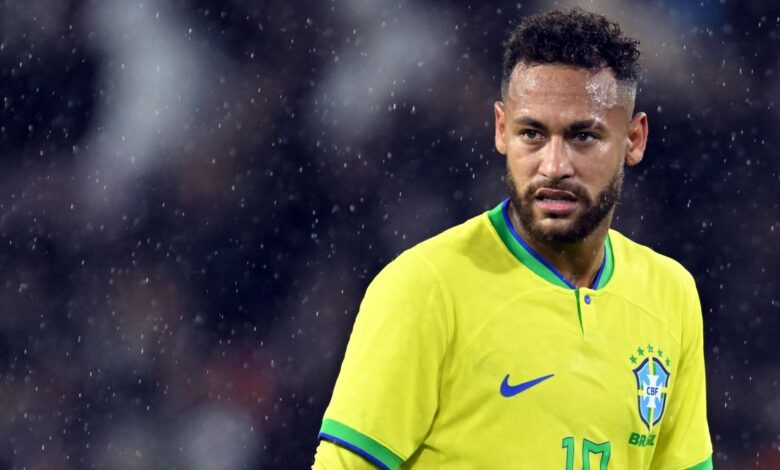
x: 194, y: 195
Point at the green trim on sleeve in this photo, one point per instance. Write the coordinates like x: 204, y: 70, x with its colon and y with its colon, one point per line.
x: 360, y: 443
x: 706, y: 465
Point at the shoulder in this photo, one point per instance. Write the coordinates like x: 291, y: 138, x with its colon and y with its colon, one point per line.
x: 433, y: 269
x: 459, y: 248
x: 423, y: 273
x: 654, y: 282
x: 648, y: 267
x: 657, y: 284
x: 426, y: 261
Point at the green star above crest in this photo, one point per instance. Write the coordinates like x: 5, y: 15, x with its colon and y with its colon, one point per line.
x: 640, y: 351
x: 649, y: 348
x: 660, y: 353
x: 633, y: 359
x: 668, y: 362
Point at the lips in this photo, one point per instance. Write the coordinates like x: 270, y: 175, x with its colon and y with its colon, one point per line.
x: 555, y: 201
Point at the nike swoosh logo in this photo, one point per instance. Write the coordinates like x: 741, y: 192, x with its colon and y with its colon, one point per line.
x: 509, y: 391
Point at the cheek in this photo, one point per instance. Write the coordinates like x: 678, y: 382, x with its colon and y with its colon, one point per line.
x: 603, y: 158
x: 519, y: 153
x: 520, y: 165
x: 596, y: 169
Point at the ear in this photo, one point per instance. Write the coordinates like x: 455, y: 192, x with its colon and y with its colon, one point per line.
x: 637, y: 139
x: 498, y: 110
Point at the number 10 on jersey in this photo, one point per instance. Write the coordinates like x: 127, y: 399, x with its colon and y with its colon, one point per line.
x: 588, y: 447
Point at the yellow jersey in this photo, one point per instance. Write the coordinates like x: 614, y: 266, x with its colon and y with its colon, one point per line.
x: 470, y: 351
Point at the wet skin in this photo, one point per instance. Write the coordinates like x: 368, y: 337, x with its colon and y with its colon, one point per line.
x: 567, y: 133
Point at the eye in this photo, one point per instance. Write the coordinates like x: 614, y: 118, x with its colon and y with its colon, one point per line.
x: 584, y: 137
x: 530, y: 134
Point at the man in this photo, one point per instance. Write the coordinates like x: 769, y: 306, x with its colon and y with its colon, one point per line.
x: 533, y: 336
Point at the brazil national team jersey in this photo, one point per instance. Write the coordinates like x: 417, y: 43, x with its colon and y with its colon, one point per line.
x: 470, y: 351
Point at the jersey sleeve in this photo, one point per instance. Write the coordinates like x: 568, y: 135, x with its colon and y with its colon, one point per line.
x: 387, y: 391
x: 331, y: 456
x: 685, y: 442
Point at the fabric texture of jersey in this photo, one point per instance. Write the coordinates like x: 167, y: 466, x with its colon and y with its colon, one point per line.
x: 471, y: 351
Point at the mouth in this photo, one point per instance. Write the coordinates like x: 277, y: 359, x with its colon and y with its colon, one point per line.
x: 555, y: 201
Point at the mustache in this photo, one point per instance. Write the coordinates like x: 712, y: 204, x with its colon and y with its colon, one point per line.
x: 559, y: 185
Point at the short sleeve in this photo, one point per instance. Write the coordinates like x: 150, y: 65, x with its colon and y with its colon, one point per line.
x: 684, y: 441
x: 387, y: 391
x: 331, y: 456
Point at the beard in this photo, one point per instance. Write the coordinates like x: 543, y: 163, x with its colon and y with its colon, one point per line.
x: 582, y: 226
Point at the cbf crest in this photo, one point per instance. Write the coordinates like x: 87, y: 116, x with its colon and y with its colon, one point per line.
x: 652, y: 383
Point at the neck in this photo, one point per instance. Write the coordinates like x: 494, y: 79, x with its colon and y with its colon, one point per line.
x: 578, y: 262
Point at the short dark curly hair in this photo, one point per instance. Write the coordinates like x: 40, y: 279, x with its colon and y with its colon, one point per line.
x: 574, y: 37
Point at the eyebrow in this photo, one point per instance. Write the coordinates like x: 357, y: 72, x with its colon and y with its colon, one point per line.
x: 576, y: 126
x: 586, y: 124
x: 530, y: 122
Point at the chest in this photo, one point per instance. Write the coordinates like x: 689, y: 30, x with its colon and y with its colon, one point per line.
x: 546, y: 369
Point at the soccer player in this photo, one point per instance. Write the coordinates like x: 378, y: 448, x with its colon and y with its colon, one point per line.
x: 533, y: 336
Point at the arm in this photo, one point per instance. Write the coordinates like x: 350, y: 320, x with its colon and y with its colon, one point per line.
x: 387, y: 391
x: 684, y: 441
x: 332, y: 457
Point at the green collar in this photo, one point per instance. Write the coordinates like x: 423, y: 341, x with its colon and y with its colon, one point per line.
x: 532, y: 260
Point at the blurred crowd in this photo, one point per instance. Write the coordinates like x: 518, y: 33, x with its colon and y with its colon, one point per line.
x: 196, y: 193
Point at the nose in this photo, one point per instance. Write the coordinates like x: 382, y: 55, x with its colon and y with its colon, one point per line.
x: 555, y: 161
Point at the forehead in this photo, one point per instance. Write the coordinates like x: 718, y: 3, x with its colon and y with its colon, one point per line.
x: 556, y: 85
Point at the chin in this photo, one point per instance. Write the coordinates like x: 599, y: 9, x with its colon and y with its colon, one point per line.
x: 556, y: 224
x: 558, y: 231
